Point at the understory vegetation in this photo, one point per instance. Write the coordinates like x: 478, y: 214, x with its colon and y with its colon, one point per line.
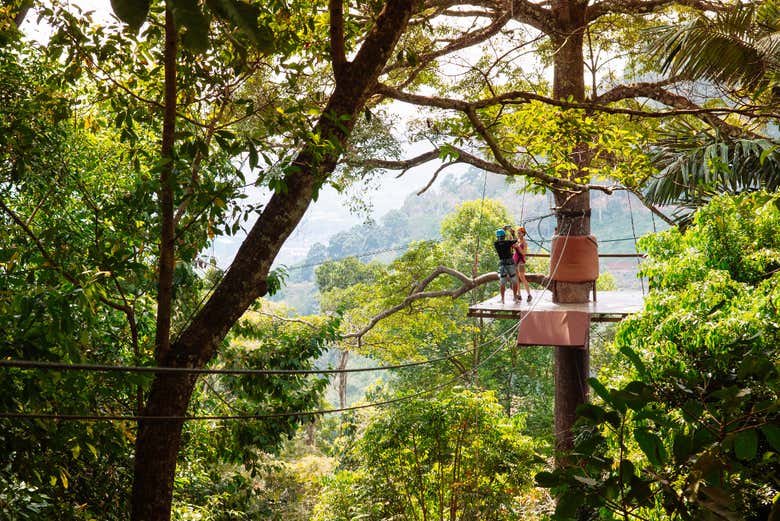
x: 142, y: 379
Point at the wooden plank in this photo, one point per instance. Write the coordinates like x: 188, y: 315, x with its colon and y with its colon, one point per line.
x: 610, y: 307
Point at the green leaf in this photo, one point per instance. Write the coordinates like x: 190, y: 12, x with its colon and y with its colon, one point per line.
x: 411, y: 58
x: 627, y: 471
x: 547, y: 479
x: 637, y: 394
x: 746, y: 444
x: 634, y: 358
x: 594, y: 413
x: 765, y: 153
x: 772, y: 434
x: 131, y: 12
x: 188, y: 15
x: 568, y: 504
x: 245, y: 17
x: 602, y: 391
x: 651, y: 445
x: 640, y: 491
x: 682, y: 447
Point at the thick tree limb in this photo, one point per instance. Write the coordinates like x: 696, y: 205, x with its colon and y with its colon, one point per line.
x: 655, y: 92
x: 514, y: 97
x: 419, y: 293
x: 443, y: 5
x: 497, y: 168
x: 403, y: 165
x: 640, y: 7
x: 532, y: 14
x: 407, y: 164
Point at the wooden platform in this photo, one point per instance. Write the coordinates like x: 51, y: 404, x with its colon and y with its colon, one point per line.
x: 612, y: 306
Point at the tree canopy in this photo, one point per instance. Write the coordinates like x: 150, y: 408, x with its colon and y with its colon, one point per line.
x: 127, y: 146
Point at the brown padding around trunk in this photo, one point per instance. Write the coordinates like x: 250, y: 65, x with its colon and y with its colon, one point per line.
x: 574, y: 258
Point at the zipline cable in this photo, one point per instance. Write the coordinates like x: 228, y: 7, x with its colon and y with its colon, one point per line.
x: 73, y: 417
x: 273, y: 415
x: 62, y: 366
x: 78, y: 417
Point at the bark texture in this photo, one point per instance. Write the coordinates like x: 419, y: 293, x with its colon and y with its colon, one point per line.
x: 158, y: 442
x: 573, y: 215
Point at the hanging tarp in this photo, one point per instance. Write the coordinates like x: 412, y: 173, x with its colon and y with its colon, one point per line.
x: 554, y: 328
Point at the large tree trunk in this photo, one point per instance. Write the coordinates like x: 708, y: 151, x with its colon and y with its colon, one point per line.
x: 158, y: 442
x: 573, y: 218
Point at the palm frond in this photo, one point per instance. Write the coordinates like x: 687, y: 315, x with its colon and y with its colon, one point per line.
x: 695, y: 165
x: 721, y: 48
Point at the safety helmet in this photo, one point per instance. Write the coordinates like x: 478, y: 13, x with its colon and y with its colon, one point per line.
x: 500, y: 234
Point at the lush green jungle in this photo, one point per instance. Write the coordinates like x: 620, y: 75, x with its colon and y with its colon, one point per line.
x: 140, y: 379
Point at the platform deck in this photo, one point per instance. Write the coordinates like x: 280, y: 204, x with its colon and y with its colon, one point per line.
x: 612, y: 306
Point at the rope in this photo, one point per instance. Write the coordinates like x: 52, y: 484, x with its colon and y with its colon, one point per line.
x: 633, y: 232
x: 522, y: 201
x: 475, y: 266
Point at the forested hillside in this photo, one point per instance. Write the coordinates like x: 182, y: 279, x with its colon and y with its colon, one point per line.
x: 141, y: 379
x: 617, y: 222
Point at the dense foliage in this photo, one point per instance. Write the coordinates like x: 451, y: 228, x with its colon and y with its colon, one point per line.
x: 127, y: 147
x: 452, y: 456
x: 692, y: 431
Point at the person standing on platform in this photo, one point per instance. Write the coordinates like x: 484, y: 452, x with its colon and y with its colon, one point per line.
x: 520, y: 253
x: 506, y: 264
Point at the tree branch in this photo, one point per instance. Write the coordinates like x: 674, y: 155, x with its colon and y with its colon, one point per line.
x: 515, y: 97
x: 434, y: 176
x: 286, y: 319
x: 655, y: 92
x: 656, y: 211
x: 467, y: 40
x: 403, y: 165
x: 337, y: 49
x: 532, y: 14
x: 640, y: 7
x: 496, y: 168
x: 419, y: 293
